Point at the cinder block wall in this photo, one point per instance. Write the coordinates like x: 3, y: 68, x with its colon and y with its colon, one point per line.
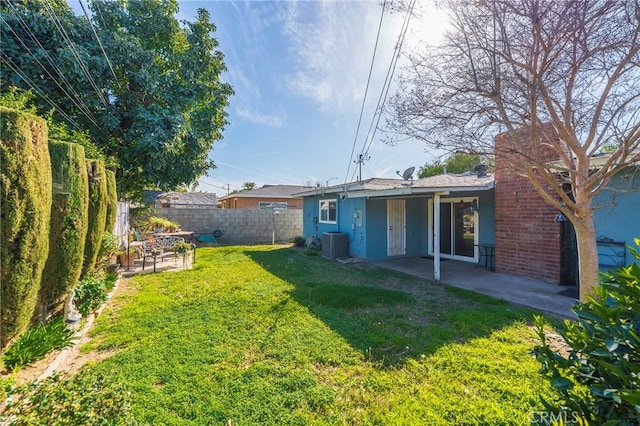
x: 241, y: 226
x: 528, y: 240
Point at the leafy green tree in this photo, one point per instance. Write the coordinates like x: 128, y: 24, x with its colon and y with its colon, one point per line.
x: 248, y: 186
x: 457, y: 163
x: 431, y: 169
x: 157, y: 104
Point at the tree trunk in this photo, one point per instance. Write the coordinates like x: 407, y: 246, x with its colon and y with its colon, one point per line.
x: 587, y: 255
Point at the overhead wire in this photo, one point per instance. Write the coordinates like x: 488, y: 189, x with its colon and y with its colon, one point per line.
x: 74, y: 51
x: 30, y: 82
x: 79, y: 102
x: 387, y: 83
x: 99, y: 42
x: 366, y: 90
x: 83, y: 107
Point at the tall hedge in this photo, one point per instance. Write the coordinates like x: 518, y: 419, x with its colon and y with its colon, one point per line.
x: 69, y: 217
x: 97, y: 213
x: 112, y: 201
x: 25, y: 209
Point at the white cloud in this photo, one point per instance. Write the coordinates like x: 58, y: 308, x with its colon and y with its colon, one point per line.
x: 259, y: 118
x: 330, y: 45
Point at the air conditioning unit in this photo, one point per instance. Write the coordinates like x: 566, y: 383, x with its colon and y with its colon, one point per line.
x: 335, y: 245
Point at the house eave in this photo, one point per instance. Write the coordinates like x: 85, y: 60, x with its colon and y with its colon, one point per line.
x: 412, y: 191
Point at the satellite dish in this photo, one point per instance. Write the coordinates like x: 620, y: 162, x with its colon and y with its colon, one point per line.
x: 407, y: 174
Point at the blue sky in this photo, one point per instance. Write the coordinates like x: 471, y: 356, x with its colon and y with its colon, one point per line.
x: 299, y: 71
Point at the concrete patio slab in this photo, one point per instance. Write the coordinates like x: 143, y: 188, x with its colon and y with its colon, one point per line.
x: 523, y: 291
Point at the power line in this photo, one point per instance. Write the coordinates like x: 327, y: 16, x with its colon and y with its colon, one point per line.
x: 366, y: 90
x: 75, y: 53
x: 387, y: 83
x: 98, y: 40
x: 80, y: 103
x: 27, y: 80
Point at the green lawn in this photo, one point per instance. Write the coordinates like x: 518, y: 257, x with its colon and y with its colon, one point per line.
x: 256, y: 335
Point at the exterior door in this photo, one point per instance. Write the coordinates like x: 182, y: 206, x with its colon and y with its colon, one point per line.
x: 458, y: 229
x: 396, y: 227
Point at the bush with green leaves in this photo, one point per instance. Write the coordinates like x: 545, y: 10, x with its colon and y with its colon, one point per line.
x: 112, y: 201
x: 599, y: 381
x: 108, y: 250
x: 36, y: 342
x: 97, y: 214
x: 25, y: 212
x: 84, y: 399
x: 110, y: 280
x: 68, y: 229
x: 312, y: 251
x: 90, y: 293
x: 299, y: 241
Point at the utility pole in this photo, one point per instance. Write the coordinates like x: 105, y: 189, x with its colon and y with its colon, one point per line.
x: 228, y: 189
x: 361, y: 159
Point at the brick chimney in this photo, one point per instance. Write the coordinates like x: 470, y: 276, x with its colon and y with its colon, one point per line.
x: 528, y: 239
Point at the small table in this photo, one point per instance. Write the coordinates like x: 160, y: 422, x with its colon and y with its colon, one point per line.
x: 187, y: 235
x: 486, y: 252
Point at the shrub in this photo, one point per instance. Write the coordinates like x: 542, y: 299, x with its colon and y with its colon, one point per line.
x: 36, y: 342
x: 90, y: 293
x: 97, y: 214
x: 110, y: 281
x: 108, y: 249
x: 299, y: 241
x: 598, y: 381
x: 160, y: 222
x: 112, y: 201
x: 25, y: 211
x: 85, y: 399
x: 68, y: 229
x: 312, y: 251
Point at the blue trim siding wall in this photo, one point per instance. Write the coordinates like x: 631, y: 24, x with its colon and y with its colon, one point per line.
x: 376, y: 229
x: 368, y: 232
x: 617, y: 214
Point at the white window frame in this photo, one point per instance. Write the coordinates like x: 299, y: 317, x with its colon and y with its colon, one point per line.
x: 328, y: 219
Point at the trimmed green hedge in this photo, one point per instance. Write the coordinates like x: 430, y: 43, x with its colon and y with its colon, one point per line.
x: 97, y: 213
x: 25, y: 210
x: 69, y: 217
x: 112, y: 201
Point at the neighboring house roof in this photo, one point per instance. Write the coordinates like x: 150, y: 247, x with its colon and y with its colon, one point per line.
x: 182, y: 198
x: 389, y: 187
x: 268, y: 191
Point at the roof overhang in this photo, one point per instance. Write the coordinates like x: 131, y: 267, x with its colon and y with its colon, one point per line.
x: 401, y: 191
x: 418, y: 191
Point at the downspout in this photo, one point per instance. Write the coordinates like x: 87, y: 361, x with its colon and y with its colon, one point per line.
x: 436, y: 236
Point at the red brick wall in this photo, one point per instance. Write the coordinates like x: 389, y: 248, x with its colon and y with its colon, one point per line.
x: 528, y: 240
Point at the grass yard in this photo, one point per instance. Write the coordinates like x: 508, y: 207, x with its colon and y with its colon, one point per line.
x: 262, y: 335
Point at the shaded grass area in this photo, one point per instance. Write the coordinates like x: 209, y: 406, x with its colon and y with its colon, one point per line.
x: 258, y: 335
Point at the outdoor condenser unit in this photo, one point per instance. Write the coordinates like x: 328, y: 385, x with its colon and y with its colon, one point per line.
x: 335, y: 245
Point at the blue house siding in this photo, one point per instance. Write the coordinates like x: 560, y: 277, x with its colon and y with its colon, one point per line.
x: 618, y: 215
x: 376, y: 229
x: 487, y: 217
x: 346, y: 222
x: 417, y: 226
x: 367, y: 230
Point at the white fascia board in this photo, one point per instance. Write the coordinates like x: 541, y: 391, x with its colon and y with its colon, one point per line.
x: 417, y: 191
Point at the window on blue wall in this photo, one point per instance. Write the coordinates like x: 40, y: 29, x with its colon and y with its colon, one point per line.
x: 328, y: 211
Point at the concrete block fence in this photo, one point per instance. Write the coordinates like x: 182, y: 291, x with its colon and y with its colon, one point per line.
x: 238, y: 226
